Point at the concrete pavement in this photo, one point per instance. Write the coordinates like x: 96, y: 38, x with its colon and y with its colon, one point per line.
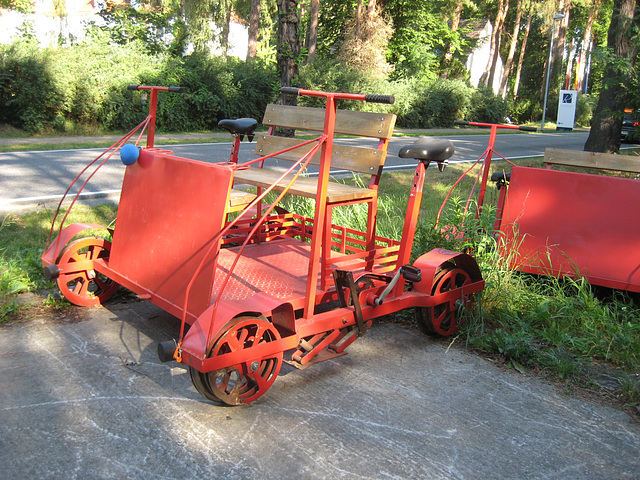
x: 84, y: 396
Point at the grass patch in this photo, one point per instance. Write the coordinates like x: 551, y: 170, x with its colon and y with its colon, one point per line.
x: 556, y: 326
x: 8, y: 131
x: 22, y: 241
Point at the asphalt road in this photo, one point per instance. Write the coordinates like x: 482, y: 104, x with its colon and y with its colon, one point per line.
x: 83, y: 396
x: 29, y: 178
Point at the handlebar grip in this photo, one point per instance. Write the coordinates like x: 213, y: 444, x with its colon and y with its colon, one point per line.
x: 132, y: 87
x: 176, y: 90
x: 290, y: 90
x: 529, y: 129
x: 389, y: 99
x: 461, y: 122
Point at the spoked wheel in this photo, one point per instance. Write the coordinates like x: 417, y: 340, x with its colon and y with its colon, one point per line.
x: 199, y: 381
x: 445, y: 319
x: 86, y: 287
x: 245, y: 381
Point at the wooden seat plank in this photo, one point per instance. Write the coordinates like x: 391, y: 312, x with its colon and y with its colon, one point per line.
x: 376, y: 128
x: 238, y: 198
x: 348, y: 122
x: 355, y: 159
x: 600, y: 161
x: 303, y: 186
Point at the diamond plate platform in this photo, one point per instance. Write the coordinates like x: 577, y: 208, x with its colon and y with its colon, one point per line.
x: 278, y: 269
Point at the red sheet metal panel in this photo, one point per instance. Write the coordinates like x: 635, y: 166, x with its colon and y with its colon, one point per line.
x: 170, y: 209
x: 564, y: 223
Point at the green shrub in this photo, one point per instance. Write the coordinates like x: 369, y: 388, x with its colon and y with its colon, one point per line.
x: 86, y: 84
x: 329, y: 75
x: 43, y: 88
x: 28, y: 93
x: 552, y: 107
x: 215, y: 89
x: 526, y: 110
x: 487, y: 107
x: 584, y: 109
x: 437, y: 103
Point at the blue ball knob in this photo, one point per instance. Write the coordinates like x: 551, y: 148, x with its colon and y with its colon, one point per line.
x: 129, y: 154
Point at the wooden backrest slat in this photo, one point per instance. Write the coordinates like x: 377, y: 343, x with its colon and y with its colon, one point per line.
x: 348, y: 122
x: 600, y: 161
x: 355, y: 159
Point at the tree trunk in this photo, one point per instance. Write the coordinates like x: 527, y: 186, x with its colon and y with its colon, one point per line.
x: 502, y: 15
x: 487, y: 77
x: 523, y: 48
x: 560, y: 41
x: 312, y: 37
x: 224, y: 33
x: 569, y: 69
x: 254, y: 24
x: 586, y: 42
x: 455, y: 23
x: 358, y: 18
x: 512, y: 51
x: 288, y: 50
x: 607, y: 120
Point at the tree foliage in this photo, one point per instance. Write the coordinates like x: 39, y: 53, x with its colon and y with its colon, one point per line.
x: 19, y: 5
x: 86, y: 84
x: 364, y: 46
x: 419, y: 37
x: 394, y: 46
x: 621, y: 54
x: 146, y: 23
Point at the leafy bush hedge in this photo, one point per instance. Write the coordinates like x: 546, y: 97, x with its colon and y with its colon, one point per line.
x: 28, y: 97
x: 584, y: 109
x: 329, y: 75
x: 487, y: 107
x: 437, y: 103
x: 526, y: 109
x: 86, y: 85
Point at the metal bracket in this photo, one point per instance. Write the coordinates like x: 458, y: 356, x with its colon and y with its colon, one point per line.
x: 344, y: 279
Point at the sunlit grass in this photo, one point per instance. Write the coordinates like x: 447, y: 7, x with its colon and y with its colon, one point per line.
x: 22, y: 241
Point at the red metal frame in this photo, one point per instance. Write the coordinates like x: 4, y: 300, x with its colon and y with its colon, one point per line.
x: 486, y: 158
x: 173, y: 245
x: 556, y: 223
